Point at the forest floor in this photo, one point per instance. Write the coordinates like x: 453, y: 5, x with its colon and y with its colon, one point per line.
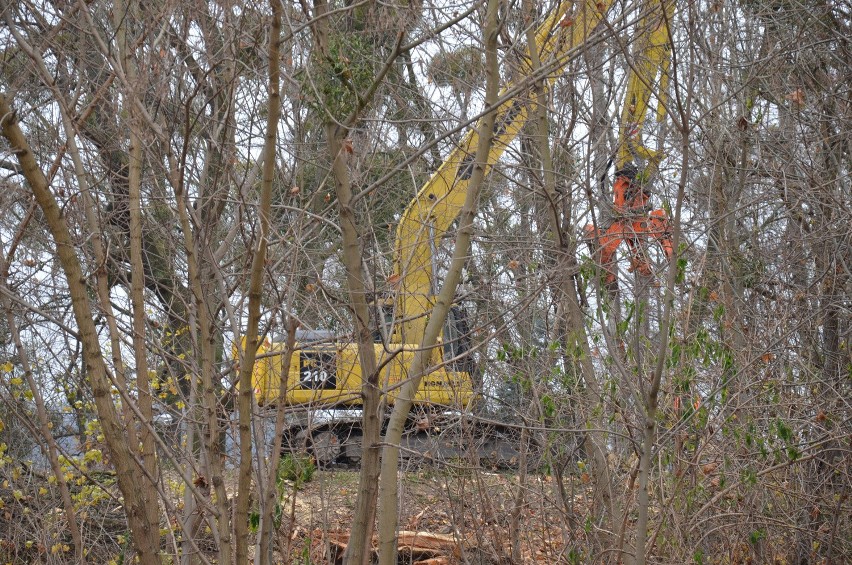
x: 447, y: 516
x: 450, y: 516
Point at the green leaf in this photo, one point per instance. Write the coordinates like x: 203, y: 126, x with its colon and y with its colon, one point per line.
x: 681, y: 269
x: 756, y: 536
x: 784, y: 432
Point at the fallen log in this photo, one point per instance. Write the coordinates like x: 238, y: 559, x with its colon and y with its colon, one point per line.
x: 423, y: 548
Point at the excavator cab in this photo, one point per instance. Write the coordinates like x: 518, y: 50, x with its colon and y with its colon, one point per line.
x: 383, y: 329
x: 457, y: 341
x: 455, y: 336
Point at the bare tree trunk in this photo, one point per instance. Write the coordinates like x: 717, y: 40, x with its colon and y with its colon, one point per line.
x: 515, y: 539
x: 576, y: 340
x: 651, y: 394
x: 244, y: 405
x: 364, y: 515
x: 270, y: 491
x: 551, y: 207
x: 145, y: 403
x: 358, y: 550
x: 267, y: 504
x: 148, y: 453
x: 421, y: 364
x: 101, y: 278
x: 207, y: 414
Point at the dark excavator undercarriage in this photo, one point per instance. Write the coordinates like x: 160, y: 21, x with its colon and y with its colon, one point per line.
x: 333, y: 438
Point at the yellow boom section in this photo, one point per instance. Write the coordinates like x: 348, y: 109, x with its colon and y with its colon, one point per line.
x: 439, y: 202
x: 648, y: 74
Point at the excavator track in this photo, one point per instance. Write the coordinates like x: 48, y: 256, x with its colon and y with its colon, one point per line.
x: 455, y: 440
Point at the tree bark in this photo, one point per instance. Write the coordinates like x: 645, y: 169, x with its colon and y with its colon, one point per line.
x: 207, y: 413
x: 364, y: 514
x: 146, y: 443
x: 358, y: 550
x: 267, y: 503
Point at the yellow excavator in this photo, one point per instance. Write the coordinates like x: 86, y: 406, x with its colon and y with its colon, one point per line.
x: 324, y: 380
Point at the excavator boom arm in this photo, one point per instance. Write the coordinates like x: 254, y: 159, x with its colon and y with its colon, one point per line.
x: 648, y: 74
x: 439, y: 201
